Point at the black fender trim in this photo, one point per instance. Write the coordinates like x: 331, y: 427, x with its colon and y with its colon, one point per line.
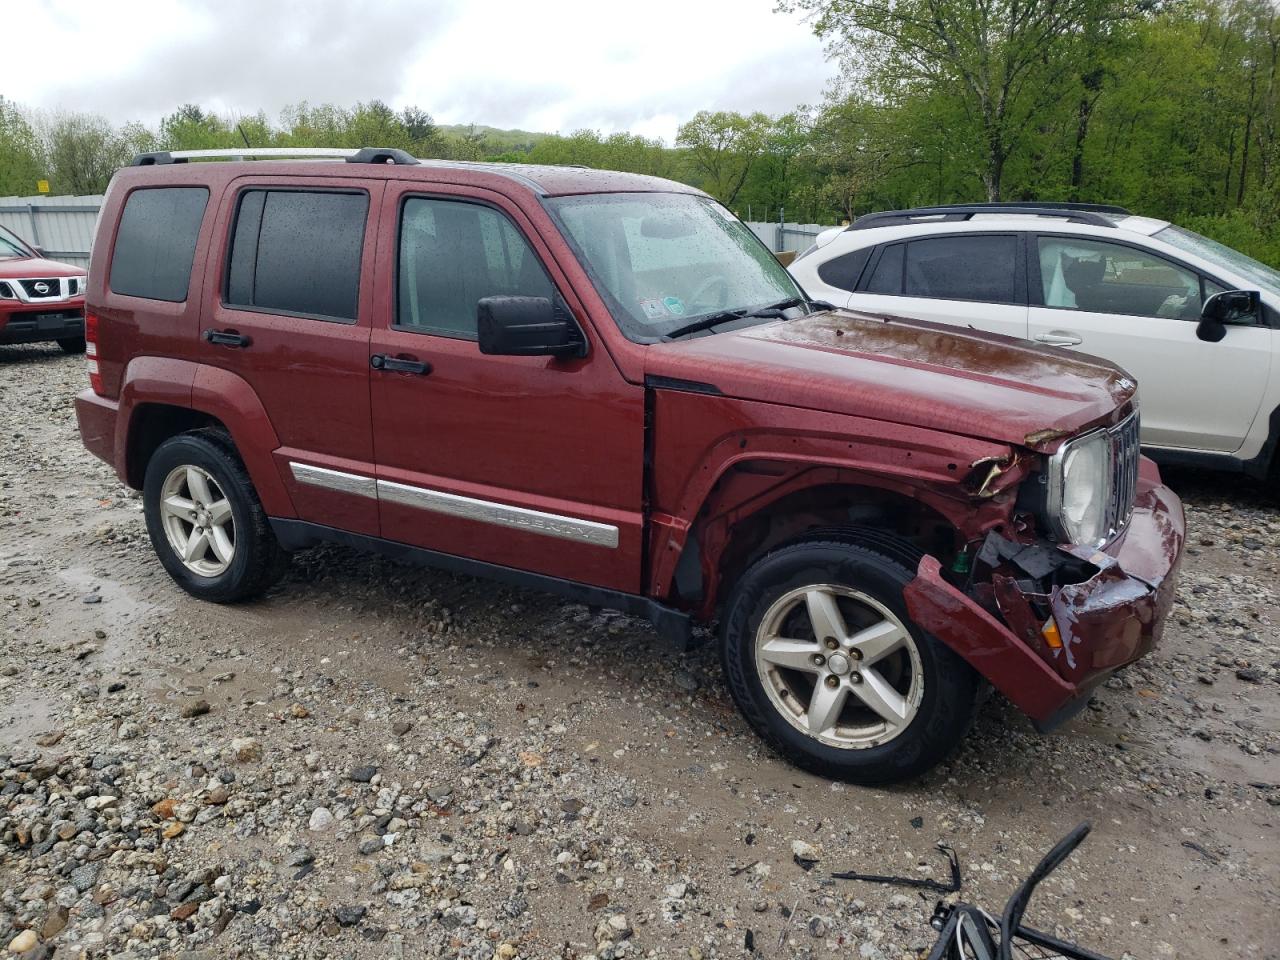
x: 673, y: 626
x: 1267, y: 462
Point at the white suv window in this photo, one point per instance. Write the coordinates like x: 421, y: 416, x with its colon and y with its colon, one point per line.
x: 963, y: 266
x: 1100, y: 277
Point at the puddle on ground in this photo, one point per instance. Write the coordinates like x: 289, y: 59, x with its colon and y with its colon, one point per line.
x: 118, y: 614
x: 27, y: 718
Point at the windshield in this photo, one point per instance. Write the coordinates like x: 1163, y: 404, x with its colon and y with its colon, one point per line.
x: 1247, y: 267
x: 11, y: 246
x: 663, y: 260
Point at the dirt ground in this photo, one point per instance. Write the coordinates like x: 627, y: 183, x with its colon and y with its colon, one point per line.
x: 378, y: 760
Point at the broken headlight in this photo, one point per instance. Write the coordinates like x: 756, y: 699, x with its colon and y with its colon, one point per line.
x: 1079, y: 480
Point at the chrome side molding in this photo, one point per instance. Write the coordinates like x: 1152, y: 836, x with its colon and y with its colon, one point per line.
x: 454, y: 505
x: 335, y: 480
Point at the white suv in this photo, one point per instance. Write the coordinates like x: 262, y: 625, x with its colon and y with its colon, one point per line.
x: 1151, y: 297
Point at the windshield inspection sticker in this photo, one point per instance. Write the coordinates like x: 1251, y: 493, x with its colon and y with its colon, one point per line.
x: 674, y: 304
x: 654, y: 309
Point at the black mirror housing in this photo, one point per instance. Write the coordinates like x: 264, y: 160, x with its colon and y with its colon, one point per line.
x: 527, y: 327
x: 1229, y: 308
x: 1233, y: 306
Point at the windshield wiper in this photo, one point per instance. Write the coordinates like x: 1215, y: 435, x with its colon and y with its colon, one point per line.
x: 710, y: 320
x: 771, y: 311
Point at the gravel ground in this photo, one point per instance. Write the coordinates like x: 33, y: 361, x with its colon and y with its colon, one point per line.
x: 381, y: 761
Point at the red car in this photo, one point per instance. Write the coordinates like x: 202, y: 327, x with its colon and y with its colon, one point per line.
x: 602, y: 385
x: 39, y: 299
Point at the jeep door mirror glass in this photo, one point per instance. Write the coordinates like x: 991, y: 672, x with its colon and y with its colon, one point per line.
x: 527, y: 327
x: 1229, y: 308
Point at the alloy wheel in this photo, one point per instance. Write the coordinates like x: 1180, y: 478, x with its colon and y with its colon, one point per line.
x: 839, y: 666
x: 197, y: 520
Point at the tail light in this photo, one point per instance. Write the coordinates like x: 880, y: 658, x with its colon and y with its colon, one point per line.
x: 91, y: 352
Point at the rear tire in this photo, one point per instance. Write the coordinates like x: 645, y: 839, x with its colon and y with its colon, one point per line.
x: 828, y: 668
x: 205, y: 520
x: 72, y: 344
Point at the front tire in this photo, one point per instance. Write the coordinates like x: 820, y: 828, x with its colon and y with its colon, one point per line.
x: 72, y: 344
x: 205, y: 520
x: 826, y: 665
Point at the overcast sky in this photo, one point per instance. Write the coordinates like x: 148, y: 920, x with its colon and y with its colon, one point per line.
x: 546, y: 65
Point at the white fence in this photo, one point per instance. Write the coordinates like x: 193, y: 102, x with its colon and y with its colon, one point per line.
x: 786, y: 236
x: 63, y: 226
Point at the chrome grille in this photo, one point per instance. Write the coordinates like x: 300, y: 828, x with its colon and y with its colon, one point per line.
x: 1126, y: 448
x: 44, y: 288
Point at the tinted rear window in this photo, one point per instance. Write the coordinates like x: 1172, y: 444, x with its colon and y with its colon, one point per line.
x: 156, y: 242
x: 963, y: 268
x: 887, y: 276
x: 844, y: 271
x: 298, y: 252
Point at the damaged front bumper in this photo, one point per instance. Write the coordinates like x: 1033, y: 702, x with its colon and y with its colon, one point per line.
x: 1102, y: 608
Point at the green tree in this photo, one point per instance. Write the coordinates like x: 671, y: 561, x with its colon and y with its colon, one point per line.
x: 1003, y: 61
x: 722, y: 147
x: 84, y: 150
x: 21, y: 162
x: 191, y: 128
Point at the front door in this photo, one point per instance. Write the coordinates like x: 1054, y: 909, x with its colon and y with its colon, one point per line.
x: 534, y: 463
x: 289, y: 305
x: 1140, y: 311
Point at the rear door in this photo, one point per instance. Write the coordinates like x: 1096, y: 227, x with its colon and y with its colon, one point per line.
x: 1140, y: 310
x: 289, y: 311
x: 973, y: 280
x: 533, y: 463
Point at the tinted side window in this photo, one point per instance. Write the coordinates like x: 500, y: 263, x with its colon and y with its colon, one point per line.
x: 844, y: 271
x: 451, y: 255
x: 156, y: 242
x: 887, y: 276
x: 963, y: 268
x: 294, y: 251
x: 1105, y: 277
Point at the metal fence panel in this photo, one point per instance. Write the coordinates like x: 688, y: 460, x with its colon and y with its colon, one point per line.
x: 62, y: 226
x: 786, y: 236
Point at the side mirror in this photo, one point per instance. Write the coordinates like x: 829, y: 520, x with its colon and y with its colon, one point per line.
x: 527, y: 327
x: 1231, y: 307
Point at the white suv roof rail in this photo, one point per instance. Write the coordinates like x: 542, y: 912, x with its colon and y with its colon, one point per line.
x: 1094, y: 214
x: 363, y: 155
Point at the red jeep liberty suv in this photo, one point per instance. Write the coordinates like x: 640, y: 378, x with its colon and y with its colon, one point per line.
x: 602, y: 385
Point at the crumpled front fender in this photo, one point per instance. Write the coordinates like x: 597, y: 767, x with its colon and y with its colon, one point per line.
x: 1112, y: 618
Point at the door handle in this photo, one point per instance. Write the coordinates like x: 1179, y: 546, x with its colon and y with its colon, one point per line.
x: 380, y: 361
x: 227, y: 338
x: 1059, y: 338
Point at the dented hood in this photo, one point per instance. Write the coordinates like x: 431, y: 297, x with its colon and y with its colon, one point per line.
x: 906, y: 371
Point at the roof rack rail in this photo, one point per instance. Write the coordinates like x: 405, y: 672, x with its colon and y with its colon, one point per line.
x: 1094, y: 214
x: 1047, y: 205
x: 364, y: 155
